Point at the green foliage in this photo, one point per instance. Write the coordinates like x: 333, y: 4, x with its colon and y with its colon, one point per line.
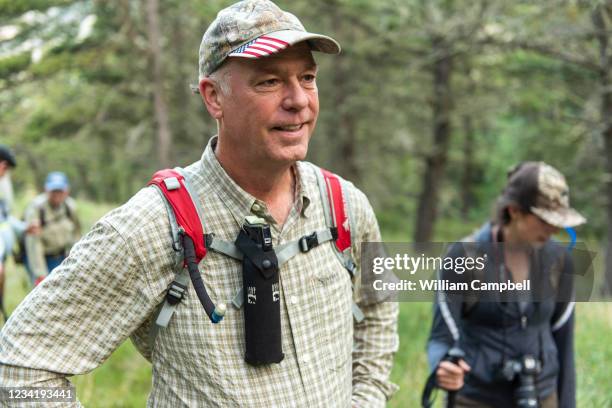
x: 89, y: 101
x: 10, y: 8
x: 14, y: 64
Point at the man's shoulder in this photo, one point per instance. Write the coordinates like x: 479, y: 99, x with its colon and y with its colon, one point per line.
x: 144, y: 212
x: 358, y: 204
x: 33, y: 208
x: 38, y: 201
x: 71, y: 202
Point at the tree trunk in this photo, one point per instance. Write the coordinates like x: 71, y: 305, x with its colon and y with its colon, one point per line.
x: 435, y: 162
x: 601, y: 15
x: 164, y: 136
x: 468, y: 166
x: 345, y: 119
x: 467, y: 177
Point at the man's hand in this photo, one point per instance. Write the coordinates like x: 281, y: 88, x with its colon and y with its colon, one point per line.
x: 450, y: 376
x: 33, y: 228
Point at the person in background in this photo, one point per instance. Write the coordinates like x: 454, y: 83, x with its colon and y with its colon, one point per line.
x: 55, y: 212
x: 10, y: 227
x: 526, y: 340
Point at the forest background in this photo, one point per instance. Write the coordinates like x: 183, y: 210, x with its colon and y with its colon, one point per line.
x: 427, y: 107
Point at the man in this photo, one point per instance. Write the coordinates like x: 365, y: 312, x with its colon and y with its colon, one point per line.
x: 258, y: 80
x: 55, y: 212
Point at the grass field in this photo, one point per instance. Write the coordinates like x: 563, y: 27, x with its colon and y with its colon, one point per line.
x: 124, y: 379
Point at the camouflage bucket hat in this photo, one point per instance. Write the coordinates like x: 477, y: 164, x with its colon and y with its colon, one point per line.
x: 255, y: 29
x: 542, y: 190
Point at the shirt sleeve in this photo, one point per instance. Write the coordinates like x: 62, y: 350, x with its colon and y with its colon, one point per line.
x: 566, y: 380
x: 446, y: 316
x: 74, y: 215
x: 34, y: 248
x: 81, y: 313
x: 563, y: 334
x: 18, y: 226
x: 375, y: 338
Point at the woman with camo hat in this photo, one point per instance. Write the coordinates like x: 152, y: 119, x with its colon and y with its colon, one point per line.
x: 516, y: 351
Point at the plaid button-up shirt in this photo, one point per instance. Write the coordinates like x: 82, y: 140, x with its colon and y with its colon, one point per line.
x: 110, y: 286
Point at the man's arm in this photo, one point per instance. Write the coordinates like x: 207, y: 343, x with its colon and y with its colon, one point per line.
x: 82, y: 312
x: 375, y: 338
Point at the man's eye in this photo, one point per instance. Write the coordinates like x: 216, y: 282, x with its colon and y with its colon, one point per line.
x: 309, y: 78
x: 269, y: 82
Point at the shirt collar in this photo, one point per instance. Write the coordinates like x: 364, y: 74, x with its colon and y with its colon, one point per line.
x: 241, y: 203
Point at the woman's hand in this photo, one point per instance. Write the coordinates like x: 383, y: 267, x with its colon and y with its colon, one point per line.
x: 450, y: 376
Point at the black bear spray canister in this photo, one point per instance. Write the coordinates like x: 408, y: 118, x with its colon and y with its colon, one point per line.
x: 261, y: 293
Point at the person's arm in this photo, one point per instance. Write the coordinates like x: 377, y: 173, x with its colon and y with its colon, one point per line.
x: 71, y: 203
x: 446, y: 316
x: 566, y: 381
x: 375, y: 338
x: 19, y: 227
x: 82, y: 312
x: 34, y: 247
x: 563, y: 334
x: 440, y: 339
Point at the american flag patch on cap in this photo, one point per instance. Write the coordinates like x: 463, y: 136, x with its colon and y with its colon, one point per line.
x: 260, y: 47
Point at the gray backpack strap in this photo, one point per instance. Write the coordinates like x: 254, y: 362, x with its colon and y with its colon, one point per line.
x: 223, y: 247
x: 177, y: 290
x: 180, y: 284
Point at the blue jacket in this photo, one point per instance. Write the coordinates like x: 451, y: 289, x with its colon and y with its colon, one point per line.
x: 490, y: 332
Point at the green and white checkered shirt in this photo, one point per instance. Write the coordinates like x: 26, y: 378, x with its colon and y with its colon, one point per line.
x: 110, y: 286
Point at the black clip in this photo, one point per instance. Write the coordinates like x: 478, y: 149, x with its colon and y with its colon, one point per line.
x: 208, y: 239
x: 176, y: 292
x: 334, y: 233
x: 307, y: 242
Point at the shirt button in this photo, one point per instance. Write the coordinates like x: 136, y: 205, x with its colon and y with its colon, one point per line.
x: 294, y: 300
x: 256, y: 207
x: 306, y: 358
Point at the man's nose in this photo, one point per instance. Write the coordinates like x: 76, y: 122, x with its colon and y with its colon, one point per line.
x: 296, y: 97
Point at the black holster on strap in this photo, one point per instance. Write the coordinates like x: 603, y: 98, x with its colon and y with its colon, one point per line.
x: 260, y: 277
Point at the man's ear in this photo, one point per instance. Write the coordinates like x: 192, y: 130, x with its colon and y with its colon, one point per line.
x: 514, y: 211
x: 211, y: 97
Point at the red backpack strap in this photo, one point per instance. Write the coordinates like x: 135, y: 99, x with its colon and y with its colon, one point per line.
x: 338, y: 209
x: 172, y: 185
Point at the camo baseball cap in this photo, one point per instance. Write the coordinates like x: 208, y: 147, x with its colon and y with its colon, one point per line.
x: 255, y: 29
x: 542, y: 190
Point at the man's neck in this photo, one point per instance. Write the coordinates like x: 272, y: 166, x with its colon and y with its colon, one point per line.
x: 274, y: 185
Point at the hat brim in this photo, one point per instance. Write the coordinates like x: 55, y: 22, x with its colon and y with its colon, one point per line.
x: 56, y: 187
x: 560, y: 218
x: 277, y: 41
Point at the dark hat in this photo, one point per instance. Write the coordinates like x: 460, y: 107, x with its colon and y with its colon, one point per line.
x: 542, y: 190
x: 7, y: 155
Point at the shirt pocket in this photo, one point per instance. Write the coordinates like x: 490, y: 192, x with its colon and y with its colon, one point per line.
x: 334, y: 299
